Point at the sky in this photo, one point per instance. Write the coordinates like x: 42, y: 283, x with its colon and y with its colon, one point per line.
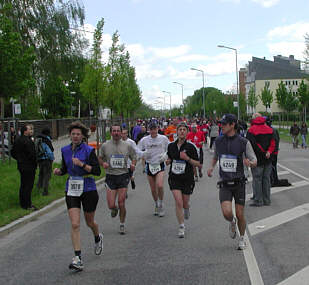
x: 166, y: 38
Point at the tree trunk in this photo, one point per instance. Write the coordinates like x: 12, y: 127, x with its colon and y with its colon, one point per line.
x: 2, y: 107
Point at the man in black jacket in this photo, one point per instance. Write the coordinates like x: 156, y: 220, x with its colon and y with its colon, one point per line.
x: 24, y: 152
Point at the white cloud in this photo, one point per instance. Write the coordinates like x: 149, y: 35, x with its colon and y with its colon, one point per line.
x: 146, y: 71
x: 267, y: 3
x: 191, y: 57
x: 287, y: 48
x: 293, y: 32
x: 170, y: 52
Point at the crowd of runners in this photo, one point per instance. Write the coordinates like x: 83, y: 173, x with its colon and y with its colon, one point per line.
x: 176, y: 145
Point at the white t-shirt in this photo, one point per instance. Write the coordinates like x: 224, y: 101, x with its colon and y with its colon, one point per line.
x: 155, y: 148
x: 133, y: 144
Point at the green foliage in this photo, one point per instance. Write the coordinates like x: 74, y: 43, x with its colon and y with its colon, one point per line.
x: 281, y: 95
x: 303, y: 94
x: 266, y: 95
x: 252, y: 98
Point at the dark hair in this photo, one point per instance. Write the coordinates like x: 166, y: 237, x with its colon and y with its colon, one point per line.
x: 115, y: 125
x: 79, y: 125
x: 24, y: 128
x: 46, y: 132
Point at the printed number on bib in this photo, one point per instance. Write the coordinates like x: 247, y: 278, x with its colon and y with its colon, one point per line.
x: 178, y: 166
x: 228, y: 163
x: 117, y: 161
x: 154, y: 168
x: 75, y: 186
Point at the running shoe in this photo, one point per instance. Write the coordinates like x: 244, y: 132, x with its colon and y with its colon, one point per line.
x: 133, y: 184
x: 161, y: 212
x: 122, y: 230
x: 181, y: 232
x: 186, y: 213
x: 232, y: 228
x: 76, y: 264
x: 200, y: 173
x: 156, y: 211
x: 98, y: 246
x: 241, y: 243
x: 114, y: 212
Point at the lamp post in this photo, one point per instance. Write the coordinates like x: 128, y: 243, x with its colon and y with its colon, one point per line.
x: 237, y: 83
x: 181, y: 94
x: 203, y: 89
x: 167, y: 92
x: 162, y: 103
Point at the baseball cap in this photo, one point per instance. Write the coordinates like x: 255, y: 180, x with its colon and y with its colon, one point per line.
x: 153, y: 124
x: 228, y: 119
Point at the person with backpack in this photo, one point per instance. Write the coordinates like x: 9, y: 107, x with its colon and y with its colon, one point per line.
x: 45, y: 158
x: 24, y: 152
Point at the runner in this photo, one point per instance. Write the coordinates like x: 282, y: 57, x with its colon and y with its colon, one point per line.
x: 171, y: 131
x: 183, y: 157
x: 197, y: 138
x: 80, y: 162
x: 114, y: 155
x: 233, y: 152
x: 124, y: 136
x: 155, y: 147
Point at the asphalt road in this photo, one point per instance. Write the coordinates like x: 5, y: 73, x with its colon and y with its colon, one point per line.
x: 151, y: 252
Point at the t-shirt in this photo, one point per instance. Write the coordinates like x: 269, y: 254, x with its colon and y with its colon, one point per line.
x: 197, y: 138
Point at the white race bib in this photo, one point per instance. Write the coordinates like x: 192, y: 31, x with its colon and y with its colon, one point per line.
x: 154, y: 168
x: 228, y: 163
x: 117, y: 161
x: 75, y: 186
x: 178, y: 166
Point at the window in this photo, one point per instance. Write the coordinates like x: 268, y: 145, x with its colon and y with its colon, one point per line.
x: 296, y: 82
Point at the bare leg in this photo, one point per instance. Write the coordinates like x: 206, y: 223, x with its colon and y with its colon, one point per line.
x: 74, y: 214
x: 121, y: 204
x: 89, y: 217
x: 179, y: 205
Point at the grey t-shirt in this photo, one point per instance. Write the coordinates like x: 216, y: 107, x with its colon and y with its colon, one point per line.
x: 116, y: 154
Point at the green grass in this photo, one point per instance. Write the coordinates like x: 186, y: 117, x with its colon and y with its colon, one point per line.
x: 285, y: 136
x: 10, y: 209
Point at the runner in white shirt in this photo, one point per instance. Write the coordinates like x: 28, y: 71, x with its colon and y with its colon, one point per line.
x: 155, y: 146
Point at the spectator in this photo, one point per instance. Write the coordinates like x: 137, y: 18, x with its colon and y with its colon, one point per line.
x: 303, y: 132
x: 136, y: 130
x: 45, y: 160
x: 171, y: 131
x: 213, y: 132
x: 24, y: 152
x: 261, y: 137
x: 294, y: 132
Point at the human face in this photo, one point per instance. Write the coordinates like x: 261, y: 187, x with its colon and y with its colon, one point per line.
x: 194, y: 129
x: 124, y: 135
x: 228, y: 129
x: 76, y: 136
x: 116, y: 133
x: 182, y: 132
x: 153, y: 132
x: 29, y: 131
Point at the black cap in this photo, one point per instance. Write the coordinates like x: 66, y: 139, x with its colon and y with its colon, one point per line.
x: 153, y: 124
x: 228, y: 119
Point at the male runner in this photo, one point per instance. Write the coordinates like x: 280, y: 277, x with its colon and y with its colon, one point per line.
x: 114, y: 155
x: 233, y: 152
x: 171, y: 131
x: 183, y: 157
x: 155, y: 147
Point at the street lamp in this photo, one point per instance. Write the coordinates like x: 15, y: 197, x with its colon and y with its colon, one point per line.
x: 237, y: 87
x: 181, y: 94
x: 167, y: 92
x: 203, y: 89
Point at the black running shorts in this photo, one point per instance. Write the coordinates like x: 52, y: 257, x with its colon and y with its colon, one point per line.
x: 186, y: 186
x: 238, y: 192
x: 114, y: 182
x: 89, y: 200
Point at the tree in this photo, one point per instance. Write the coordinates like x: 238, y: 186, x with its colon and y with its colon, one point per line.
x: 266, y: 96
x: 281, y: 95
x: 252, y: 99
x: 303, y: 97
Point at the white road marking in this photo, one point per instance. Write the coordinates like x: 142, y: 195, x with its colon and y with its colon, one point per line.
x: 300, y: 278
x: 278, y: 219
x: 293, y: 172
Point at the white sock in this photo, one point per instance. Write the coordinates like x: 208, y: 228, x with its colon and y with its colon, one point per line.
x: 121, y: 224
x: 160, y: 203
x: 181, y: 225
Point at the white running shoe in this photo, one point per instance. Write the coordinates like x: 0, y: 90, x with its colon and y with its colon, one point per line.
x: 181, y: 232
x: 232, y: 228
x: 76, y: 264
x: 161, y: 212
x: 98, y: 246
x: 241, y: 243
x: 186, y: 213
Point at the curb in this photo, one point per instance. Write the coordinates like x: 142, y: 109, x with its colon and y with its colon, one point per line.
x: 7, y: 229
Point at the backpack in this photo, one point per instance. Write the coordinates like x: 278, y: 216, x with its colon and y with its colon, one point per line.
x: 39, y: 150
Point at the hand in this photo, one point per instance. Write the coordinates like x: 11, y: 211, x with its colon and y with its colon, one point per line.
x: 267, y: 155
x: 77, y: 162
x: 184, y: 156
x: 132, y: 167
x: 57, y: 171
x: 105, y: 165
x: 246, y: 162
x: 209, y: 171
x: 168, y: 161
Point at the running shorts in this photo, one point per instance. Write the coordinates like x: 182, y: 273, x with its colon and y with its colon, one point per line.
x: 184, y: 185
x: 88, y: 199
x: 226, y: 193
x: 115, y: 182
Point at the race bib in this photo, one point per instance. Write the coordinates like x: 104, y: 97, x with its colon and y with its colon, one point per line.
x: 178, y: 166
x: 175, y: 137
x: 75, y: 186
x: 228, y: 163
x: 117, y: 161
x: 154, y: 168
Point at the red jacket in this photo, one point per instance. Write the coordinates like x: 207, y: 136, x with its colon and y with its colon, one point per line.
x: 197, y: 138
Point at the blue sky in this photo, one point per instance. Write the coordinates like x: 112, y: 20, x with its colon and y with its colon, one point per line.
x: 165, y: 38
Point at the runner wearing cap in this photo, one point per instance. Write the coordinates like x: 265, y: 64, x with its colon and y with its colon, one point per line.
x: 233, y: 152
x: 154, y: 147
x: 183, y: 158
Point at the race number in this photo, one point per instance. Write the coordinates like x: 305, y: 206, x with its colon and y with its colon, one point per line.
x: 117, y: 161
x: 178, y: 166
x: 154, y: 168
x: 75, y: 186
x: 228, y: 163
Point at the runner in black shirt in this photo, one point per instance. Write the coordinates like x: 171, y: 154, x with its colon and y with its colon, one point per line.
x: 182, y: 155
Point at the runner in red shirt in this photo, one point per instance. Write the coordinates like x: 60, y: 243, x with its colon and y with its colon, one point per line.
x: 197, y: 138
